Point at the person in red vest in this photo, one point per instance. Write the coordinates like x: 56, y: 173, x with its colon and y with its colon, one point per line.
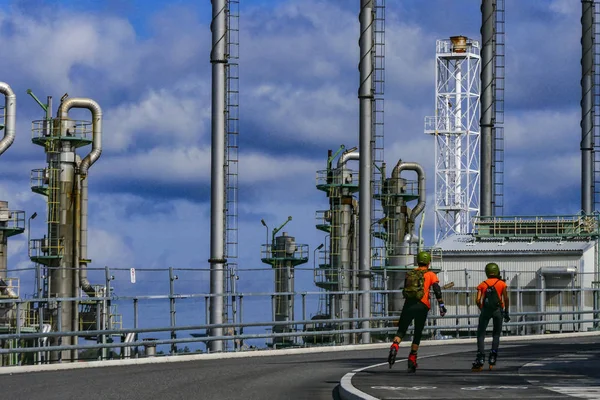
x: 492, y: 300
x: 417, y: 284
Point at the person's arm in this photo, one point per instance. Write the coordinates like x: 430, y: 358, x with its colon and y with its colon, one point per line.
x: 478, y: 300
x: 437, y: 291
x: 506, y: 304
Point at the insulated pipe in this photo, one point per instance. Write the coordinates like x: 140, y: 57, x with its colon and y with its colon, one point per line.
x: 84, y: 283
x: 366, y: 97
x: 10, y: 121
x: 348, y: 155
x: 587, y: 106
x: 77, y: 102
x: 487, y: 107
x: 217, y: 260
x: 412, y: 166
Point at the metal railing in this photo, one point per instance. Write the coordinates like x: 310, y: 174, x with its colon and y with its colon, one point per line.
x: 149, y: 306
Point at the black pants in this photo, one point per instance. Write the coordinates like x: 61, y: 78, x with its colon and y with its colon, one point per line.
x: 484, y: 320
x: 412, y: 310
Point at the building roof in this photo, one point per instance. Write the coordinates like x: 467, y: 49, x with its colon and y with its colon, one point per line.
x: 466, y: 244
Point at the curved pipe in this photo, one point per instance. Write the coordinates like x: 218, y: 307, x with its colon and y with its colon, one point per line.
x: 9, y: 116
x: 78, y: 102
x: 350, y: 154
x: 412, y: 166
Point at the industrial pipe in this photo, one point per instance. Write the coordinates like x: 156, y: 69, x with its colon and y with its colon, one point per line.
x: 218, y: 59
x: 486, y: 121
x: 84, y: 283
x: 63, y: 114
x: 587, y: 106
x: 350, y: 154
x: 412, y: 166
x: 366, y: 98
x: 10, y: 121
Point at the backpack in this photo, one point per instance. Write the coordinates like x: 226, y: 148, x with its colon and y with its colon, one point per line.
x: 491, y: 300
x: 414, y: 285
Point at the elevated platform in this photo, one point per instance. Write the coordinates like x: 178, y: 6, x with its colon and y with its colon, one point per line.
x: 46, y: 251
x: 271, y: 255
x: 12, y: 222
x: 327, y: 180
x: 78, y: 133
x: 535, y: 227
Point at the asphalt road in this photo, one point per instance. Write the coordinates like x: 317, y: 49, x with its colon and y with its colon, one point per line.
x: 316, y: 376
x: 546, y: 369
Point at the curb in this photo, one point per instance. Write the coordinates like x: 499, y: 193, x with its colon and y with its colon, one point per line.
x: 262, y: 353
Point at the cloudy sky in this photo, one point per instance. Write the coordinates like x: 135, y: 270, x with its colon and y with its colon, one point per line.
x: 146, y: 62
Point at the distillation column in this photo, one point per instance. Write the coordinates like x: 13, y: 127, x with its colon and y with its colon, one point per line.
x: 343, y: 233
x: 11, y: 222
x: 284, y: 255
x: 400, y: 225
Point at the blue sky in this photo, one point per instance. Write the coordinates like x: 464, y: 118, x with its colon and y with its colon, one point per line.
x: 147, y: 65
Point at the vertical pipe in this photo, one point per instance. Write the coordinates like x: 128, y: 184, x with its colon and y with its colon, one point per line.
x: 587, y: 106
x: 3, y: 244
x: 487, y: 106
x: 135, y: 324
x: 217, y: 260
x: 365, y: 95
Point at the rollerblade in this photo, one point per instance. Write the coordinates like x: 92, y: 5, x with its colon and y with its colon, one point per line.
x: 478, y: 364
x: 492, y: 359
x: 412, y: 362
x: 392, y: 355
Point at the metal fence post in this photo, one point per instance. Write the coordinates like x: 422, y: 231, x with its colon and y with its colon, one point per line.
x: 172, y: 278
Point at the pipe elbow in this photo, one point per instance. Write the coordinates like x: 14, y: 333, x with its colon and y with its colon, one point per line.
x: 96, y: 110
x: 351, y: 154
x: 10, y: 116
x: 412, y: 166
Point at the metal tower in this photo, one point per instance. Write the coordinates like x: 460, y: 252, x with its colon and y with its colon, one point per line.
x: 456, y: 130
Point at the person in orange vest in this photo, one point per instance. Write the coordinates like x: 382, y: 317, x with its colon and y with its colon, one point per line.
x: 492, y: 300
x: 417, y: 284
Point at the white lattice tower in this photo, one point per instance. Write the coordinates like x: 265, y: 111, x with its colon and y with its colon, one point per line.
x: 455, y: 127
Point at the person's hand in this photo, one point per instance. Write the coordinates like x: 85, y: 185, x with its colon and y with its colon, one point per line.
x: 443, y: 310
x: 506, y: 317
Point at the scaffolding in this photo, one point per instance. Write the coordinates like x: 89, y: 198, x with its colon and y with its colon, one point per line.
x: 498, y: 110
x: 455, y: 127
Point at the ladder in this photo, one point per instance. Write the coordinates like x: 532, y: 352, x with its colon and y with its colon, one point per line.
x: 377, y: 141
x: 232, y: 95
x: 53, y: 219
x: 232, y: 128
x: 596, y: 105
x: 498, y: 111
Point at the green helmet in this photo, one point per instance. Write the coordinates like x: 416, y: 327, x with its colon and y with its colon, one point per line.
x: 423, y: 258
x: 492, y: 270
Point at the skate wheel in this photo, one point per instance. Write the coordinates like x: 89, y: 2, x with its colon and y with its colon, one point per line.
x: 477, y: 369
x: 491, y: 367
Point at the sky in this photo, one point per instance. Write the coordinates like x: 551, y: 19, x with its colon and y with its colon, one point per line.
x: 147, y: 64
